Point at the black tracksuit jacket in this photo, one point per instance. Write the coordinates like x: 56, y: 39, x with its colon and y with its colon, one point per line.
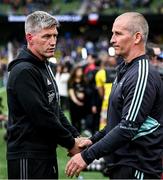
x: 36, y: 122
x: 134, y: 133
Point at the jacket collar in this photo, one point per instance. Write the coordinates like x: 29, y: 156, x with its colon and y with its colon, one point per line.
x: 123, y: 67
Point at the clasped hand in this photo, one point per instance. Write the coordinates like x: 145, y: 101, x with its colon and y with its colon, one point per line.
x: 76, y: 164
x: 80, y: 144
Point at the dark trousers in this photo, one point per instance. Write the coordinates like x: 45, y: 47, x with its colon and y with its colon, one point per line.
x: 125, y: 172
x: 32, y: 169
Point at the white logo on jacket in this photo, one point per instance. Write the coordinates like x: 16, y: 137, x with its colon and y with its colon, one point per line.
x: 51, y: 96
x: 48, y: 82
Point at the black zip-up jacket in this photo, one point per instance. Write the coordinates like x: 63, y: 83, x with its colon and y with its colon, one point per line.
x: 134, y: 133
x: 36, y: 122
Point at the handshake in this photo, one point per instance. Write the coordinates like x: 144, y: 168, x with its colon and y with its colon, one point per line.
x: 76, y: 164
x: 80, y: 144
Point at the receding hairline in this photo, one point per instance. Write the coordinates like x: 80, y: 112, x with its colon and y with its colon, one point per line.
x: 130, y: 15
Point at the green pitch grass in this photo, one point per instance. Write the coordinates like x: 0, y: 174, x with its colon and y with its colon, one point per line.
x: 3, y: 173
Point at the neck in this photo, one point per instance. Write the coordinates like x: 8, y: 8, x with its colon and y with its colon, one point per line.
x: 136, y: 52
x: 35, y: 53
x: 128, y: 60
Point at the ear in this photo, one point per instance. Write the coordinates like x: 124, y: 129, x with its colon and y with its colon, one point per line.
x: 29, y: 37
x: 138, y: 37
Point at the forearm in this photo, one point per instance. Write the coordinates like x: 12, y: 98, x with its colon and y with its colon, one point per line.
x: 109, y: 143
x: 98, y: 135
x: 68, y: 126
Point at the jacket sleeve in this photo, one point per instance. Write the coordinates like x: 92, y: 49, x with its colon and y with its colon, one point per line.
x: 139, y: 92
x: 29, y: 93
x: 110, y: 142
x: 98, y: 135
x: 68, y: 125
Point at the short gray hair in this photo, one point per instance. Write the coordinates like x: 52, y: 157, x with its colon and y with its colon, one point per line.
x: 39, y: 20
x: 137, y: 23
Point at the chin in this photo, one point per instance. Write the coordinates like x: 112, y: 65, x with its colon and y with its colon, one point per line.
x: 50, y: 55
x: 117, y: 53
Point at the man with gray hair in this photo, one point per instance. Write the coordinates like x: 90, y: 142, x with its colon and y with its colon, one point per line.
x: 36, y: 122
x: 133, y: 137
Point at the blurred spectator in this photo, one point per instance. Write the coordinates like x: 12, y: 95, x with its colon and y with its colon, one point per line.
x: 152, y: 57
x: 62, y: 77
x: 93, y: 103
x: 85, y: 6
x: 104, y: 78
x: 3, y: 117
x: 3, y: 70
x: 156, y: 57
x: 153, y: 51
x: 141, y: 3
x: 90, y: 63
x: 160, y: 8
x: 76, y: 91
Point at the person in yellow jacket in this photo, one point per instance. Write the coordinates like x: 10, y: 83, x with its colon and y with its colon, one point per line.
x: 104, y: 78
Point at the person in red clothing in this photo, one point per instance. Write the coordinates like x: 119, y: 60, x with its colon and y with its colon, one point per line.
x: 91, y: 63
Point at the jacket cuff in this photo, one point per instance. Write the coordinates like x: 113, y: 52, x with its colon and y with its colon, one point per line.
x: 70, y: 143
x: 86, y: 157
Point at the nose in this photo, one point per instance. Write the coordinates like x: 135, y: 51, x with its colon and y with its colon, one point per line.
x: 53, y: 40
x: 112, y: 40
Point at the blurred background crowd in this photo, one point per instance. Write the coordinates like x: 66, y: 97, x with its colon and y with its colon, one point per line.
x: 85, y: 6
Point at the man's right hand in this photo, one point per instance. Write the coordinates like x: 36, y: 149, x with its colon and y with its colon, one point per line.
x: 80, y: 144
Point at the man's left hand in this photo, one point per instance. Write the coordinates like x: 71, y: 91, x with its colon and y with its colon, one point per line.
x: 75, y: 165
